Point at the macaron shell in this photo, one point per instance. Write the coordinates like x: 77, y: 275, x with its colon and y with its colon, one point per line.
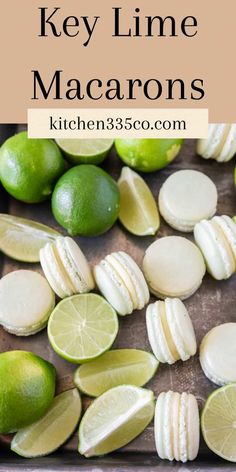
x: 175, y: 223
x: 193, y: 427
x: 183, y: 438
x: 113, y: 288
x: 26, y: 301
x: 186, y: 197
x: 158, y: 425
x: 77, y: 267
x: 152, y: 324
x: 219, y: 259
x: 218, y: 354
x: 167, y: 426
x: 173, y: 267
x: 181, y: 328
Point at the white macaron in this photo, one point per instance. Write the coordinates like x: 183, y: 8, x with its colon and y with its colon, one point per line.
x: 174, y: 267
x: 66, y: 267
x: 218, y: 354
x: 170, y: 331
x: 26, y: 302
x: 187, y: 197
x: 121, y: 282
x: 176, y: 426
x: 220, y: 143
x: 217, y: 241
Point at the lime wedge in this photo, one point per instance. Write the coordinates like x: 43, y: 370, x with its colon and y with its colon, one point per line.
x: 118, y: 367
x: 138, y: 209
x: 234, y: 219
x: 52, y: 430
x: 22, y: 239
x: 85, y: 151
x: 114, y: 419
x: 219, y: 422
x: 82, y: 327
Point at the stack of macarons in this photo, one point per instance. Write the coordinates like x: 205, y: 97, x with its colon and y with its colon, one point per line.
x: 170, y: 331
x: 176, y: 426
x: 122, y: 283
x: 220, y: 143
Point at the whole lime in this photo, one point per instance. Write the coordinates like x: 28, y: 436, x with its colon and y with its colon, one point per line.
x: 29, y: 168
x: 27, y: 389
x: 86, y: 200
x: 148, y: 155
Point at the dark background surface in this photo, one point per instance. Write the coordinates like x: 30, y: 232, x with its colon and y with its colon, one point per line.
x: 213, y: 304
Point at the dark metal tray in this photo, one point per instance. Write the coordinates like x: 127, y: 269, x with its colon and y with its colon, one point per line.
x: 213, y: 304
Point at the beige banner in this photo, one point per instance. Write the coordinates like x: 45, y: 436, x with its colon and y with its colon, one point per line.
x: 142, y: 59
x: 117, y: 123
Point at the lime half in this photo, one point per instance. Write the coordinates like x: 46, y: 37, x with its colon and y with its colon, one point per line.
x: 118, y: 367
x: 138, y: 209
x: 85, y: 151
x: 114, y: 419
x: 22, y: 239
x: 219, y: 422
x: 52, y: 430
x: 82, y: 327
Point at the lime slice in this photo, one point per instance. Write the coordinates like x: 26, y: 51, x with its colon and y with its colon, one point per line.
x: 52, y: 430
x: 138, y: 209
x: 219, y: 422
x: 22, y: 239
x: 114, y: 419
x: 82, y: 327
x: 85, y: 151
x: 118, y: 367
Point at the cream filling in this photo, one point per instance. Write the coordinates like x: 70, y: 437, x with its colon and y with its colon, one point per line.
x: 158, y: 425
x: 138, y: 279
x: 167, y: 335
